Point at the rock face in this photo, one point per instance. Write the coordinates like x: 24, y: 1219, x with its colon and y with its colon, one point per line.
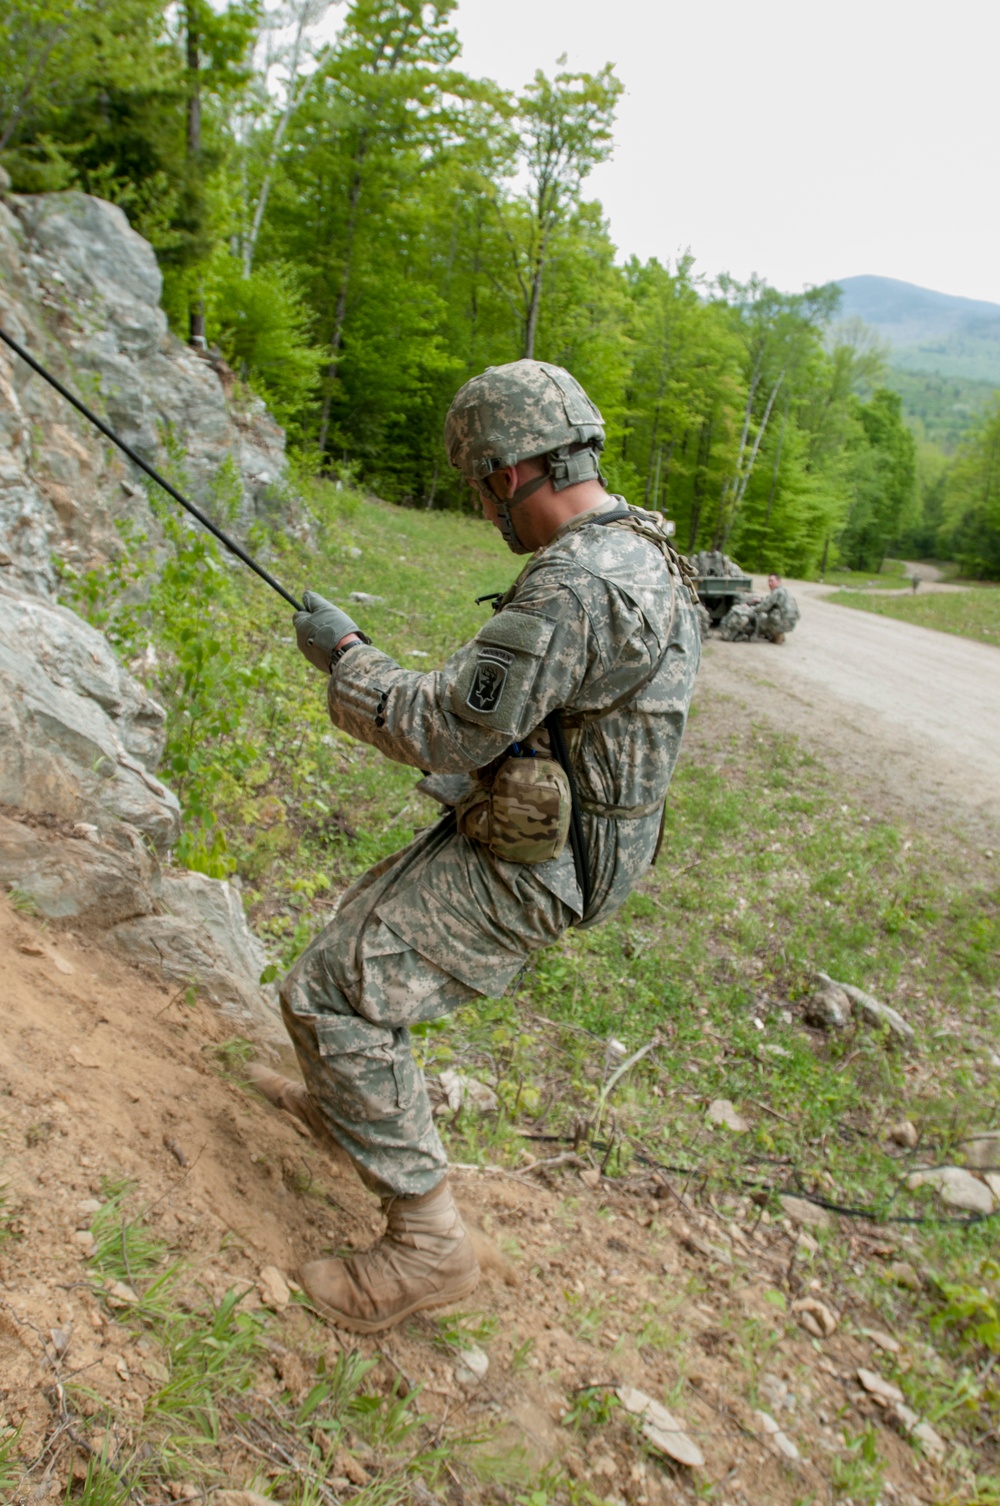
x: 80, y: 290
x: 85, y: 826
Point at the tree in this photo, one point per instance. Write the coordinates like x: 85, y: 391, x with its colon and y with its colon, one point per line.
x: 884, y: 483
x: 565, y: 131
x: 972, y: 500
x: 779, y: 333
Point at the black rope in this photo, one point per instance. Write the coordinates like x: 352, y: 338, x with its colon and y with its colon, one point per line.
x: 172, y: 491
x: 796, y: 1190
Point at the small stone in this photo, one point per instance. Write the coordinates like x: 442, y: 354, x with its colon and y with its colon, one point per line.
x: 31, y: 948
x: 87, y: 1207
x: 775, y: 1437
x: 365, y: 599
x: 901, y: 1273
x: 86, y: 1242
x: 475, y: 1360
x: 273, y: 1289
x: 660, y: 1428
x: 815, y: 1317
x: 60, y: 1339
x: 876, y: 1386
x: 956, y: 1187
x: 465, y: 1091
x: 904, y: 1133
x: 774, y: 1050
x: 934, y: 1445
x: 416, y: 653
x: 801, y: 1211
x: 353, y: 552
x: 882, y: 1340
x: 904, y: 1415
x: 590, y: 1177
x: 992, y: 1180
x: 722, y: 1111
x: 120, y: 1295
x: 240, y: 1498
x: 983, y: 1151
x: 828, y: 1009
x: 184, y: 1491
x: 806, y: 1243
x: 605, y: 1467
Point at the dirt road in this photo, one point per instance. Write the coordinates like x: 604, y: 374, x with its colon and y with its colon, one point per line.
x: 910, y: 714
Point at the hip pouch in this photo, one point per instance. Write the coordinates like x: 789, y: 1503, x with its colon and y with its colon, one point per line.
x: 521, y: 812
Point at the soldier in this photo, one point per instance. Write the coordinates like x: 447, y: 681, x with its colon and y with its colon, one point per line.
x: 778, y: 613
x: 593, y: 650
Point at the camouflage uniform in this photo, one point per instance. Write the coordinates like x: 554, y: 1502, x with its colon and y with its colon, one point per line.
x: 777, y: 614
x: 445, y: 920
x: 740, y: 622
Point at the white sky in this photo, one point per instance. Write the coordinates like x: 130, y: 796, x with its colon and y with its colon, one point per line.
x: 799, y: 140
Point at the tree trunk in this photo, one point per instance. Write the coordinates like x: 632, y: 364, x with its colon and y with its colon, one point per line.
x: 196, y: 308
x: 534, y: 306
x: 701, y: 469
x: 340, y: 311
x: 774, y: 478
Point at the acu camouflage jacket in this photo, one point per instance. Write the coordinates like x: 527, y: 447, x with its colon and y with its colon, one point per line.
x: 593, y: 614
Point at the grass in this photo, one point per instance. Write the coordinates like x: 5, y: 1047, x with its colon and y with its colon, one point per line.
x: 214, y: 1412
x: 972, y: 613
x: 892, y: 575
x: 770, y: 871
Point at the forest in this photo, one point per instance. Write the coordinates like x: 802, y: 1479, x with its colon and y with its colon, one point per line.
x: 358, y: 226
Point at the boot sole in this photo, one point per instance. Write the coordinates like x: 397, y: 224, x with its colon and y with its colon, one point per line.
x: 424, y: 1304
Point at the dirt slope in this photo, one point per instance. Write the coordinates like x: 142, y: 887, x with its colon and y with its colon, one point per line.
x: 103, y: 1072
x: 909, y: 712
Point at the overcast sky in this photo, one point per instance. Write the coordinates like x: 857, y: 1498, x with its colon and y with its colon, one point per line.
x: 802, y: 141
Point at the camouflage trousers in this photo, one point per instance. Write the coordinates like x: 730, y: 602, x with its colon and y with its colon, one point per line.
x: 739, y: 622
x: 349, y: 1001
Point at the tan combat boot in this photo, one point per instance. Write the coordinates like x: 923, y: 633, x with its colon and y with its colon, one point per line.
x: 424, y: 1259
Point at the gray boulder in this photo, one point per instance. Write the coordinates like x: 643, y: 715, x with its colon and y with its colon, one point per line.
x: 76, y: 730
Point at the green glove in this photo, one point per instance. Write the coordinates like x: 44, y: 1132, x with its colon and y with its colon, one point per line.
x: 320, y: 628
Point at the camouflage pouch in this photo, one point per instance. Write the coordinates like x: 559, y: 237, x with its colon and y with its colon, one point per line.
x: 522, y: 814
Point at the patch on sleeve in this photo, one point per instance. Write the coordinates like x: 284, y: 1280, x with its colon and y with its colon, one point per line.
x: 489, y: 679
x: 500, y: 668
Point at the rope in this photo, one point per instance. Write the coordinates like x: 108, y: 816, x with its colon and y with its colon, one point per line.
x: 795, y: 1190
x: 137, y: 459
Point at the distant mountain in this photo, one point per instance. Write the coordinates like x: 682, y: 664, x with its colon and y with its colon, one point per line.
x: 933, y: 332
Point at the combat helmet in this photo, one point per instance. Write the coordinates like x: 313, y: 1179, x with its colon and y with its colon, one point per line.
x: 526, y: 410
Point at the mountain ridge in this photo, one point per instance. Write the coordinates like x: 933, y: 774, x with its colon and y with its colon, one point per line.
x: 928, y: 331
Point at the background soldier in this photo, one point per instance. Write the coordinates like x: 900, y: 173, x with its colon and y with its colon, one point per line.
x: 600, y: 628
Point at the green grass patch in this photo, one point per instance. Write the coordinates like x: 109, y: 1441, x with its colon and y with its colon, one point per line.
x: 893, y: 574
x: 972, y: 613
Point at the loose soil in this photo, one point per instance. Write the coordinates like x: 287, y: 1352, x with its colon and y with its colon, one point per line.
x: 103, y: 1072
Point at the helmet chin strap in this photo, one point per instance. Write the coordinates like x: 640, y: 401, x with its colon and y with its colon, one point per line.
x: 567, y: 466
x: 505, y: 517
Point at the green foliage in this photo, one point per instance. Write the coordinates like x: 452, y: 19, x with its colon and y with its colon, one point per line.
x: 974, y: 613
x: 970, y: 1310
x: 972, y: 499
x: 125, y: 1250
x: 884, y: 477
x: 858, y: 1473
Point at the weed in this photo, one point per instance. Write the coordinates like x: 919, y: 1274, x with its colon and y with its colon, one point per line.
x: 23, y: 902
x: 10, y: 1469
x: 858, y: 1472
x: 592, y: 1408
x: 125, y: 1249
x: 459, y: 1330
x: 232, y: 1056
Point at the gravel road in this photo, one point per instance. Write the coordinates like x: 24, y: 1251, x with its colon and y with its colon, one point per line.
x: 910, y: 714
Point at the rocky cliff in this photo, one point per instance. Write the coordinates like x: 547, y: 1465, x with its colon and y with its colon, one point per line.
x: 86, y: 827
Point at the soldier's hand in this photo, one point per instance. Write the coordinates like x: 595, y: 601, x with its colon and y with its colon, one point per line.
x: 320, y: 628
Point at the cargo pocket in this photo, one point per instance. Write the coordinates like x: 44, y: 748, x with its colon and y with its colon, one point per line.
x: 370, y: 1064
